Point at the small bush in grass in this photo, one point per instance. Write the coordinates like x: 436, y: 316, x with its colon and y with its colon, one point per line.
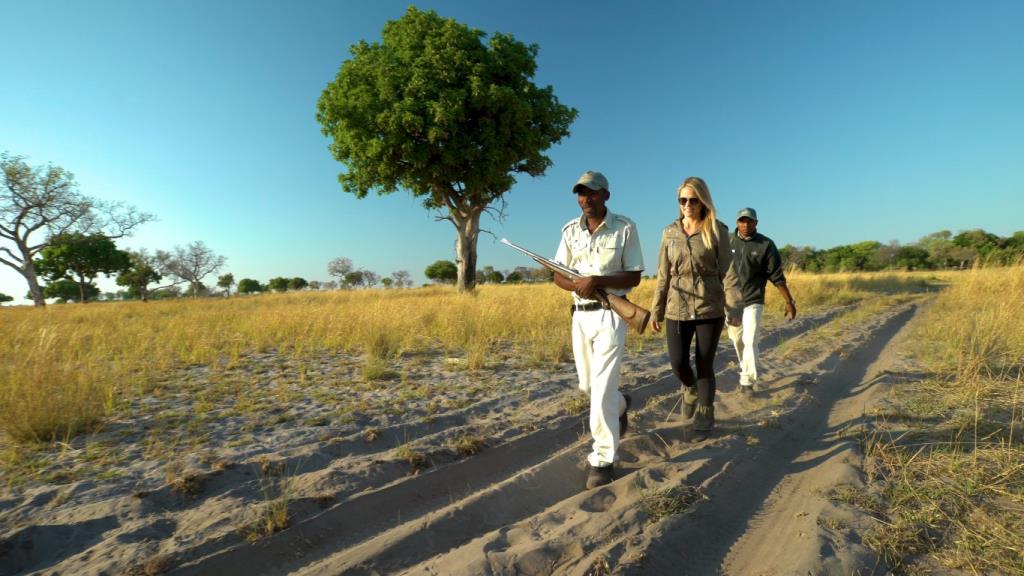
x: 272, y: 514
x: 466, y: 444
x: 670, y: 501
x: 416, y: 459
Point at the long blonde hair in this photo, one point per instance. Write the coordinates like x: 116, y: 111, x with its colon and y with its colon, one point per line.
x: 708, y: 217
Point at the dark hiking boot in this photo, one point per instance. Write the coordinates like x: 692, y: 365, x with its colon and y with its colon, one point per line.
x: 747, y: 390
x: 600, y: 475
x: 689, y: 401
x: 624, y: 418
x: 704, y: 418
x: 703, y: 423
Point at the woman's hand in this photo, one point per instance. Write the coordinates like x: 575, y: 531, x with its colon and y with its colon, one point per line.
x: 655, y: 325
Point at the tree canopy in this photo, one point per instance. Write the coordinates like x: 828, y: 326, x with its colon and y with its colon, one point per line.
x: 81, y: 257
x: 225, y: 282
x: 435, y: 110
x: 141, y: 272
x: 443, y: 271
x: 64, y: 290
x: 249, y: 286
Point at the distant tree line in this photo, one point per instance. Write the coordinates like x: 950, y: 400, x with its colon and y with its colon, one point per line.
x: 940, y: 250
x: 61, y: 241
x: 446, y: 272
x: 71, y: 262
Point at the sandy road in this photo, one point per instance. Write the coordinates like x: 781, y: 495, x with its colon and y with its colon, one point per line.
x: 517, y: 508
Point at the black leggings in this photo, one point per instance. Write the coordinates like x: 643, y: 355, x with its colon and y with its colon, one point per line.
x: 679, y: 336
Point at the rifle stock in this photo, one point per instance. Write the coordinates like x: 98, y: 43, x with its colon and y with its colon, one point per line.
x: 635, y: 316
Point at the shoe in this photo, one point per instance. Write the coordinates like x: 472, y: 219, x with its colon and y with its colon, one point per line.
x: 747, y: 389
x: 703, y: 423
x: 704, y: 418
x: 624, y: 418
x: 600, y: 475
x: 689, y: 401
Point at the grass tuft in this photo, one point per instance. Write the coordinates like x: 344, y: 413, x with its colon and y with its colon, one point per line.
x: 670, y: 501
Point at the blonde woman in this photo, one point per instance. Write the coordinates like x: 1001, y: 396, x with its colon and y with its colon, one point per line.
x: 696, y: 290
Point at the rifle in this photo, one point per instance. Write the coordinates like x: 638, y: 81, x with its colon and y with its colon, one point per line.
x: 634, y: 315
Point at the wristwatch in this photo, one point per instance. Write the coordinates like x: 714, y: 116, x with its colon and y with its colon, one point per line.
x: 791, y: 301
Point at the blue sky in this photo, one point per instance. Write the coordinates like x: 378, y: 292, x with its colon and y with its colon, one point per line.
x: 839, y: 121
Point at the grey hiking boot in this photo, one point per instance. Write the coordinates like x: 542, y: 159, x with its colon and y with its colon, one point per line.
x: 689, y: 401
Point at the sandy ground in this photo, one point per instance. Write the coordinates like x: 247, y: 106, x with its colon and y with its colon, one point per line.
x: 753, y: 499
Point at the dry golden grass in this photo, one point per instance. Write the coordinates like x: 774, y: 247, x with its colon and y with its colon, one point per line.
x: 952, y: 465
x: 64, y: 368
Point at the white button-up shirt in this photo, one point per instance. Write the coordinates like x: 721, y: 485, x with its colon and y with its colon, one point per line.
x: 614, y: 247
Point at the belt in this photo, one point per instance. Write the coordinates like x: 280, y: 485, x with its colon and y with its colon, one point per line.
x: 588, y: 307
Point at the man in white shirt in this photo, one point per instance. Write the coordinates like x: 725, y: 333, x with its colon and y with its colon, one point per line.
x: 605, y: 249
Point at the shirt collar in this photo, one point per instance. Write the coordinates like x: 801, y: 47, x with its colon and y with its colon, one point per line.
x: 604, y: 223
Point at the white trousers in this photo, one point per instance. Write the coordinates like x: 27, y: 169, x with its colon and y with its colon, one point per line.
x: 598, y: 343
x: 744, y: 339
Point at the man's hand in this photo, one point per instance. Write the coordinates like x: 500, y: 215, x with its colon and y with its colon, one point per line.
x: 585, y: 286
x: 735, y: 320
x: 790, y: 310
x: 655, y: 325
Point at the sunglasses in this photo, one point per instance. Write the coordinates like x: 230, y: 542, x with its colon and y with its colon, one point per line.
x: 683, y: 201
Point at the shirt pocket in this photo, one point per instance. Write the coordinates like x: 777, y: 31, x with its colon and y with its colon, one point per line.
x: 607, y: 249
x: 579, y: 250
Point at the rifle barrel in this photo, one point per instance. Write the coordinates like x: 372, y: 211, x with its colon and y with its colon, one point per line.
x: 550, y: 264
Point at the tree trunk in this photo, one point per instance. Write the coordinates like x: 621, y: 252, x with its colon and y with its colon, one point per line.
x: 29, y: 272
x: 27, y: 269
x: 81, y: 289
x: 467, y: 227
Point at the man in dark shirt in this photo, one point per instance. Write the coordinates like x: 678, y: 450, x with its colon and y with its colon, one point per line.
x: 757, y: 261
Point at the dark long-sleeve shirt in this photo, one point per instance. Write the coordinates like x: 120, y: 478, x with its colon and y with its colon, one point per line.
x: 757, y: 261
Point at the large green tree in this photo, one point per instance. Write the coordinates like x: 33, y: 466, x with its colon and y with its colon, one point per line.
x: 434, y: 109
x: 81, y: 258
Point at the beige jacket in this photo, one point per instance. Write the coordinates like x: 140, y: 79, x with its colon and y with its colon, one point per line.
x: 695, y: 283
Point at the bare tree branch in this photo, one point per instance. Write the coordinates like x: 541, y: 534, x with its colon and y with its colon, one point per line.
x: 11, y: 254
x: 45, y: 199
x: 9, y: 263
x: 190, y: 264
